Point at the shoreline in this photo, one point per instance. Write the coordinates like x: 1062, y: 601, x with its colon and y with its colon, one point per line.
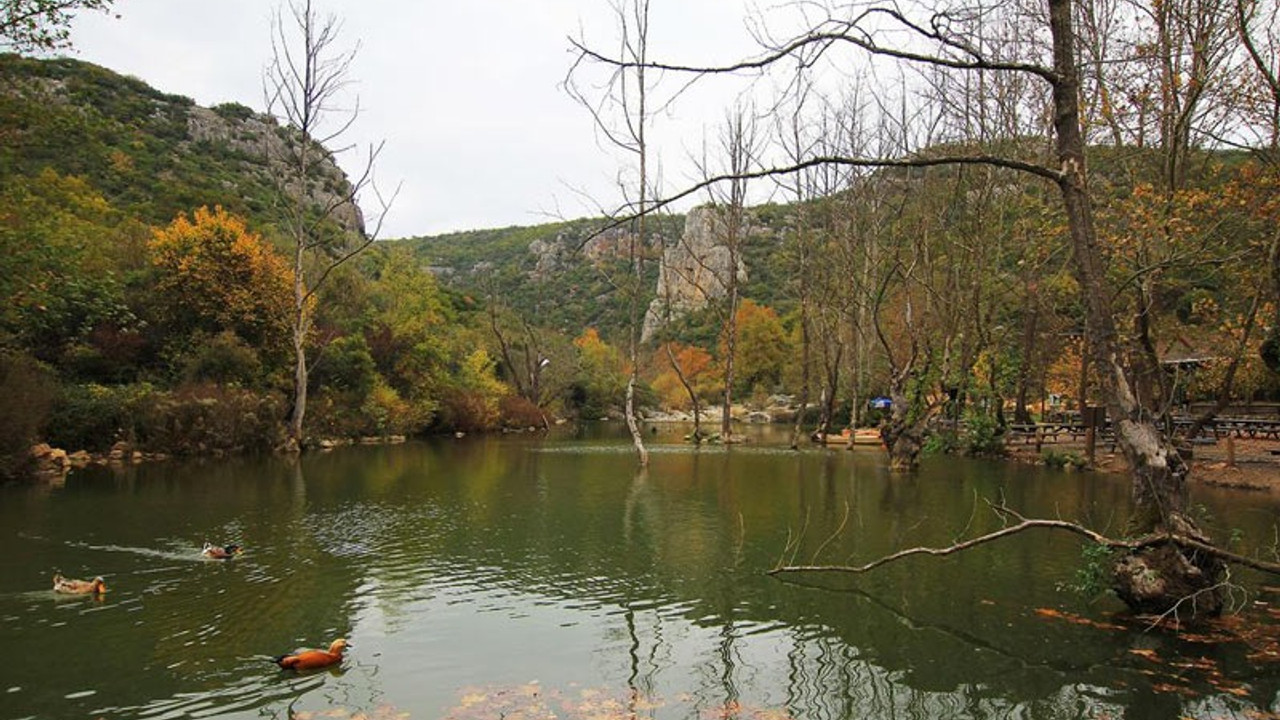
x: 1254, y: 468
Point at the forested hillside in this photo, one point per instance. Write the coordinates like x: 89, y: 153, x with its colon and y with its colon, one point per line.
x: 153, y: 154
x: 147, y: 293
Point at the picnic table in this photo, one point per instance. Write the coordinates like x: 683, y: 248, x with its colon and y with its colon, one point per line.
x: 1247, y: 427
x: 1047, y: 431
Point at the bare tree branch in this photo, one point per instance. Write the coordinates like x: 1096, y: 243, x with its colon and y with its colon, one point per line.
x: 1025, y: 524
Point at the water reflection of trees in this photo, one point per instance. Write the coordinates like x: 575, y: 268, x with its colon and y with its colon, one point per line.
x: 698, y: 526
x: 680, y: 551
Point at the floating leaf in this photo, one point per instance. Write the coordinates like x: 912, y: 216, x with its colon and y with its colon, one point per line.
x: 1147, y: 653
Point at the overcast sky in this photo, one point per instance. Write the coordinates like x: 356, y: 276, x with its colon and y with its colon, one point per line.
x: 466, y: 93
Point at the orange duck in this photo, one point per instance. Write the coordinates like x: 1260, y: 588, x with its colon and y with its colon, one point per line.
x: 221, y: 552
x: 68, y: 586
x: 313, y: 659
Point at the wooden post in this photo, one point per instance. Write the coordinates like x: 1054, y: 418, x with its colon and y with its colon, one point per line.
x: 1093, y: 418
x: 1231, y: 450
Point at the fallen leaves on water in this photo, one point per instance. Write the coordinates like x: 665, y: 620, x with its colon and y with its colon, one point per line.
x: 1181, y: 668
x: 534, y: 702
x: 1147, y: 653
x: 382, y: 712
x: 1074, y: 619
x: 1261, y: 639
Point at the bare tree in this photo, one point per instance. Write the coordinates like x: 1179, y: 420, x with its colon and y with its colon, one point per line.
x: 795, y: 135
x: 739, y: 145
x: 623, y: 115
x: 304, y: 84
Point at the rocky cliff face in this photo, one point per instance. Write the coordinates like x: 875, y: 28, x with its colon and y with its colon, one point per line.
x: 152, y: 153
x: 258, y: 137
x: 554, y: 255
x: 694, y: 272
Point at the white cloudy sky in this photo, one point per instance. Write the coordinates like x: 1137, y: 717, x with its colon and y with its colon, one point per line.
x: 466, y: 93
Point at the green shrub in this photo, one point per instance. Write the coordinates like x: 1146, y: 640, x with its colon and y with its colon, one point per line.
x: 389, y: 413
x: 347, y: 365
x: 941, y: 442
x: 208, y: 418
x: 1093, y: 577
x: 94, y: 417
x: 233, y: 111
x: 382, y: 411
x: 192, y: 420
x: 983, y: 435
x: 223, y: 358
x: 1067, y: 460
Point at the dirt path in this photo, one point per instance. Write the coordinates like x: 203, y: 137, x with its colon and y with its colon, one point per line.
x: 1254, y: 467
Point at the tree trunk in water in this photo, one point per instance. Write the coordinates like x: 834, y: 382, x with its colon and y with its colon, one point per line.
x: 804, y: 384
x: 693, y: 396
x: 1159, y: 578
x: 731, y: 342
x: 903, y: 438
x: 632, y: 425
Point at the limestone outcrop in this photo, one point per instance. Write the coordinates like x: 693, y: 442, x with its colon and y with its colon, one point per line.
x: 257, y: 136
x: 694, y: 271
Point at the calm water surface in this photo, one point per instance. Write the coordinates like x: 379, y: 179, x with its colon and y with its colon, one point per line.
x: 545, y: 577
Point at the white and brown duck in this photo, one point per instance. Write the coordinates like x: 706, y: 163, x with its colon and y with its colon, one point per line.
x: 68, y: 586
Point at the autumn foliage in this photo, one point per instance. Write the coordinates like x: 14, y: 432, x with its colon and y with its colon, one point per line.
x: 213, y: 275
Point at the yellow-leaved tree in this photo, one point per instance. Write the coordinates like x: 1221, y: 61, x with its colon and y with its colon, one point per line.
x: 214, y: 275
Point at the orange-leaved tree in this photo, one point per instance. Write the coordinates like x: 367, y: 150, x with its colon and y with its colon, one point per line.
x: 214, y: 275
x: 762, y: 349
x: 689, y: 361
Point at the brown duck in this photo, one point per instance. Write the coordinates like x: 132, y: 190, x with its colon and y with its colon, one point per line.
x: 67, y: 586
x: 221, y: 552
x: 313, y: 659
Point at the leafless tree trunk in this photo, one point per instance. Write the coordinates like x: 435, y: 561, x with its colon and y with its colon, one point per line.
x: 793, y: 135
x: 738, y: 144
x: 628, y: 96
x: 303, y: 85
x: 694, y: 400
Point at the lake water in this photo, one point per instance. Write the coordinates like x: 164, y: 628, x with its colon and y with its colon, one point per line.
x: 539, y: 577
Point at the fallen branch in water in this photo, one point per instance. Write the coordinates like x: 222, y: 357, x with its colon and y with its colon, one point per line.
x: 1025, y: 524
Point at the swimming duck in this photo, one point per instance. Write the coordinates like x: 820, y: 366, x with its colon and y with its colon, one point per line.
x: 311, y: 659
x: 68, y: 586
x: 221, y: 552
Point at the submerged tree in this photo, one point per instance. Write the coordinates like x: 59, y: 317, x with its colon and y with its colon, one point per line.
x: 623, y: 115
x: 739, y: 140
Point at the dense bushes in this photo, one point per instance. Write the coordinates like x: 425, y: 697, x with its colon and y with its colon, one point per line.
x: 28, y: 391
x: 518, y: 413
x: 94, y: 417
x: 208, y: 418
x: 191, y: 420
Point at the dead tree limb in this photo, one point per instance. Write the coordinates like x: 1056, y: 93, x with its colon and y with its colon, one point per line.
x: 1024, y: 524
